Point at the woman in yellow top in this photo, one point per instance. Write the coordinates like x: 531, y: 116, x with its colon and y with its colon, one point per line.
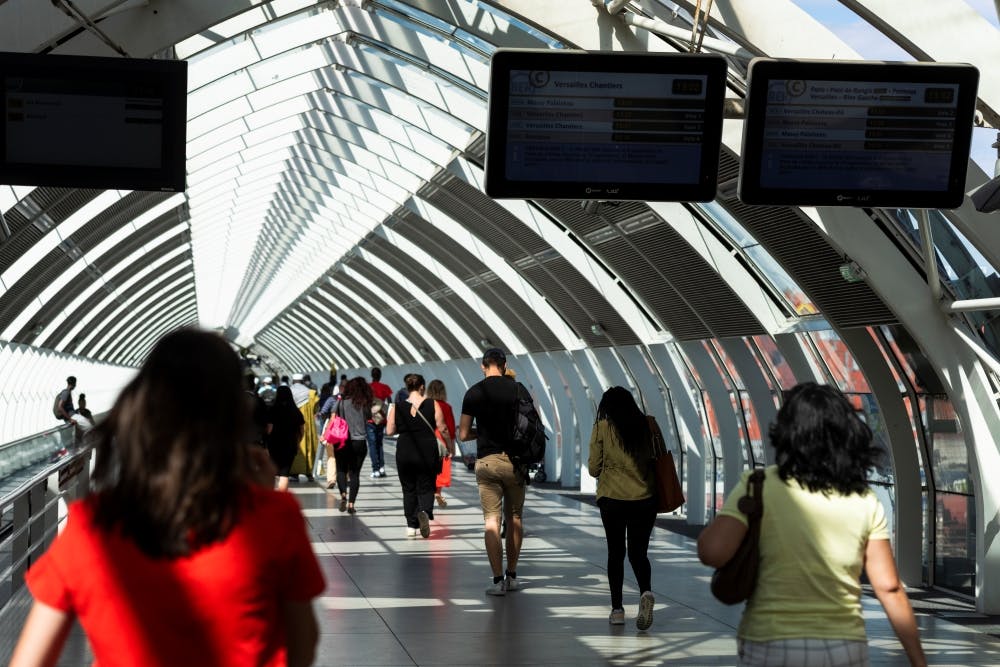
x: 621, y: 452
x: 821, y: 525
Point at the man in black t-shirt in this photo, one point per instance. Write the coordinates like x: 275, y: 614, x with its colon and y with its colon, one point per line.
x: 491, y: 403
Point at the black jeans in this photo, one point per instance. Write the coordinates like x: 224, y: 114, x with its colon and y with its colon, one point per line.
x: 349, y: 458
x: 627, y: 525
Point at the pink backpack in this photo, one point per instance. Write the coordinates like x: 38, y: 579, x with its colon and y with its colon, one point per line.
x: 336, y: 431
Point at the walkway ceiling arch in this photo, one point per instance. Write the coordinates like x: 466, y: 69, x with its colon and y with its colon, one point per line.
x: 316, y: 128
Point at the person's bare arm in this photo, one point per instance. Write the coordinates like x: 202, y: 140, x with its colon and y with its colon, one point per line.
x: 301, y: 633
x: 42, y: 637
x: 465, y: 430
x: 719, y: 540
x: 390, y: 420
x: 881, y: 570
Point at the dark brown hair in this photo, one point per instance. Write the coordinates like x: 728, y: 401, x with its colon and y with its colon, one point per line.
x: 413, y: 381
x: 172, y: 454
x: 359, y: 393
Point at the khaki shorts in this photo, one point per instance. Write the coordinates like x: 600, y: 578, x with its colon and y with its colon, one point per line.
x: 500, y: 486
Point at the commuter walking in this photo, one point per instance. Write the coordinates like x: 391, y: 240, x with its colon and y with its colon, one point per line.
x: 176, y: 558
x: 491, y: 403
x: 381, y: 398
x: 436, y: 390
x: 286, y: 431
x: 417, y: 460
x: 355, y: 407
x: 621, y: 454
x: 319, y: 419
x: 63, y: 408
x: 323, y: 448
x: 821, y: 525
x: 305, y: 401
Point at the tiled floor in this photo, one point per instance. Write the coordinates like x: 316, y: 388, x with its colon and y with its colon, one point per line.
x: 393, y: 600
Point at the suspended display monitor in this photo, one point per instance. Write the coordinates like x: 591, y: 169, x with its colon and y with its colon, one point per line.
x: 835, y: 133
x: 88, y: 122
x: 606, y: 126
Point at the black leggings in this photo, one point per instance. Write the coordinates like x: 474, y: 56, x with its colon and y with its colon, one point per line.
x: 349, y: 459
x: 627, y: 523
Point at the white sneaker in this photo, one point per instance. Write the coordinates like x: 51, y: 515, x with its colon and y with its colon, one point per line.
x: 497, y: 588
x: 510, y: 583
x: 411, y: 532
x: 374, y: 475
x: 425, y: 523
x: 617, y: 617
x: 645, y: 617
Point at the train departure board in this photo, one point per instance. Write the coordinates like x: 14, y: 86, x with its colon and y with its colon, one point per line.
x: 617, y: 126
x: 833, y: 133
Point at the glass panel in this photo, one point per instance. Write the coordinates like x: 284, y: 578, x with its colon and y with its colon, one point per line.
x: 949, y: 453
x: 840, y: 363
x: 955, y: 564
x: 795, y: 297
x: 753, y: 429
x: 961, y: 266
x: 883, y: 472
x: 772, y: 356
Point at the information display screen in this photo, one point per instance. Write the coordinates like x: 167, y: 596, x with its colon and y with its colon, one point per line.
x: 827, y: 133
x: 93, y: 122
x: 618, y: 126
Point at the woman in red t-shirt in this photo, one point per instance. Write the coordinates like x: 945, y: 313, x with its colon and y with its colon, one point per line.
x: 437, y: 391
x: 177, y: 558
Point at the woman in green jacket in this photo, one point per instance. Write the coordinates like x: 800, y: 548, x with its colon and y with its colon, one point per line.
x: 621, y: 451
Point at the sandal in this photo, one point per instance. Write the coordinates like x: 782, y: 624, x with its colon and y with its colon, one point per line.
x: 343, y: 504
x: 441, y: 501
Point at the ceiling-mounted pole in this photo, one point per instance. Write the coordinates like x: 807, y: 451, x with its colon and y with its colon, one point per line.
x: 77, y: 15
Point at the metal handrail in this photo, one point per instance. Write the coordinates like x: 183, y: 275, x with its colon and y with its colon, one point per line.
x: 51, y: 473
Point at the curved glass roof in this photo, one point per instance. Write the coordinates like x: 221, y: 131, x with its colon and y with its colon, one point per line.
x: 326, y: 140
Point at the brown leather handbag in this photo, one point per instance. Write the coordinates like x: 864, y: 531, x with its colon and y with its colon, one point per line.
x: 669, y: 494
x: 735, y: 581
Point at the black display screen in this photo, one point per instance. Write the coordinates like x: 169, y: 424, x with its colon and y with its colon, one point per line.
x: 619, y: 126
x: 90, y: 122
x: 828, y: 133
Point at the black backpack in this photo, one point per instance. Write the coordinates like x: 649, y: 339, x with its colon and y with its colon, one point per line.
x: 528, y: 436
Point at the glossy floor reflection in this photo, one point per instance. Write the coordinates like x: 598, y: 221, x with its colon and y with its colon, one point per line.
x: 395, y: 600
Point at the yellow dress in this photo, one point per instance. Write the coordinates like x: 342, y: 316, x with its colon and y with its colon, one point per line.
x: 306, y: 456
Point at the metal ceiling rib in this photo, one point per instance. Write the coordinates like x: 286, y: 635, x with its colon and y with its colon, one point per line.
x: 807, y: 256
x: 187, y: 317
x: 170, y: 271
x: 84, y: 240
x: 370, y: 319
x: 145, y: 321
x: 35, y: 215
x: 530, y: 329
x: 311, y: 323
x: 359, y: 326
x: 444, y: 297
x: 305, y: 334
x: 416, y: 304
x: 389, y: 313
x: 655, y: 262
x: 576, y: 299
x: 89, y: 308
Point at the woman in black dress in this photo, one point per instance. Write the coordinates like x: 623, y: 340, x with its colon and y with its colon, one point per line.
x: 286, y: 431
x: 417, y: 460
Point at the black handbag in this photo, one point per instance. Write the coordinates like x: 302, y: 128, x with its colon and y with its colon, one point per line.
x: 735, y: 581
